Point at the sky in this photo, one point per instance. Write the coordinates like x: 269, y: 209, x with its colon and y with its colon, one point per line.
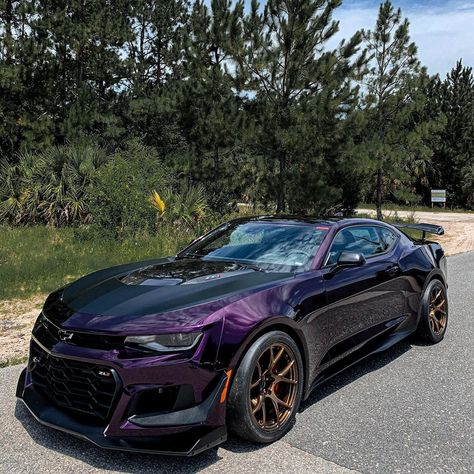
x: 442, y: 29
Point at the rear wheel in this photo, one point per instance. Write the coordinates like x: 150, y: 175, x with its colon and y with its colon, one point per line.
x: 434, y: 312
x: 267, y: 389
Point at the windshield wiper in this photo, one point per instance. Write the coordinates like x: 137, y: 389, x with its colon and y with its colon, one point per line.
x: 251, y: 266
x: 190, y: 255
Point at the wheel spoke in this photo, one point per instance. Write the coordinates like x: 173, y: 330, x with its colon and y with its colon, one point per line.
x: 264, y: 412
x: 258, y: 404
x: 279, y: 379
x: 437, y: 295
x: 435, y: 321
x: 275, y: 407
x: 286, y: 369
x: 257, y: 382
x: 281, y: 402
x: 277, y: 358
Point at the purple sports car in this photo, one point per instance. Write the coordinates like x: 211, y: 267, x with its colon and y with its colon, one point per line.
x: 232, y: 333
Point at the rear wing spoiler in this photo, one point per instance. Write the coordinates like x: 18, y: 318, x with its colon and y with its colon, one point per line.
x: 424, y: 228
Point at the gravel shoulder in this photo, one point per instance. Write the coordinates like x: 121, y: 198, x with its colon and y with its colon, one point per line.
x: 16, y: 321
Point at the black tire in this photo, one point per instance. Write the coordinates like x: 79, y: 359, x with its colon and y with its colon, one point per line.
x: 241, y: 421
x: 429, y: 329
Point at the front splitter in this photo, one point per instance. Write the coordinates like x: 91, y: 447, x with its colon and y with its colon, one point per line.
x: 190, y: 443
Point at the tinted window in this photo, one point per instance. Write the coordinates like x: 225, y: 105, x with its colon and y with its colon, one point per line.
x: 275, y: 246
x: 388, y: 237
x: 361, y: 239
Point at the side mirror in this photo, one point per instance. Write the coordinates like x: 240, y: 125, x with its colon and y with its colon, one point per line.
x: 351, y: 259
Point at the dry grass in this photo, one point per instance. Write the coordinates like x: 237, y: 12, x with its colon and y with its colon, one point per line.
x: 16, y: 320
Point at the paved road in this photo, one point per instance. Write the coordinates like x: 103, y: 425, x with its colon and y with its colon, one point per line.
x: 410, y: 409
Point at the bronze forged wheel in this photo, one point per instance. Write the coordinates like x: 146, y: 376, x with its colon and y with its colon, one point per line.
x: 267, y: 389
x: 438, y: 315
x: 273, y: 387
x: 434, y: 312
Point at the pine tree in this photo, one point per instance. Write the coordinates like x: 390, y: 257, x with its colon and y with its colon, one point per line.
x: 303, y: 91
x: 397, y: 131
x: 155, y: 47
x: 155, y: 59
x: 83, y: 49
x: 453, y: 157
x: 23, y: 121
x: 211, y: 112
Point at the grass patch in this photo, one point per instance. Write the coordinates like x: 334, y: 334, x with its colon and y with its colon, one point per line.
x: 41, y: 259
x: 14, y: 361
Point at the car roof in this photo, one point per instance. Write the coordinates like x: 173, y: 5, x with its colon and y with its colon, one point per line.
x: 330, y: 222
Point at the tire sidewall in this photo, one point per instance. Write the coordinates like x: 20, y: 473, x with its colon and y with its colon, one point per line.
x: 238, y: 398
x: 425, y: 310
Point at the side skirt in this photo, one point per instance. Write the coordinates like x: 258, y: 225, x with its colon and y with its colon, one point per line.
x: 378, y: 343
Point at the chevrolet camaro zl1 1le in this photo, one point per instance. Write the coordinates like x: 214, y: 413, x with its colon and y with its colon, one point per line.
x: 232, y: 333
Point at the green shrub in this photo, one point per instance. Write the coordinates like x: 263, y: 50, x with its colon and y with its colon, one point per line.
x: 49, y: 187
x: 188, y: 206
x: 121, y: 191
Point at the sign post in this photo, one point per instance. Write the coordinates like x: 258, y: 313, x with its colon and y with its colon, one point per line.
x: 438, y: 195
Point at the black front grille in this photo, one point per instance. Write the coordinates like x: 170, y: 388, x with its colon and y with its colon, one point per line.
x: 76, y: 386
x: 49, y: 334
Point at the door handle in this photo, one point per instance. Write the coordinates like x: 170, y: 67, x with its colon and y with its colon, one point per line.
x: 392, y: 270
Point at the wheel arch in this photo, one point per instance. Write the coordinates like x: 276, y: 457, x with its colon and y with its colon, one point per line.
x: 283, y: 324
x: 435, y: 274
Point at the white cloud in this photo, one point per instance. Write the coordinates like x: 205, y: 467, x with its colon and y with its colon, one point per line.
x: 443, y: 34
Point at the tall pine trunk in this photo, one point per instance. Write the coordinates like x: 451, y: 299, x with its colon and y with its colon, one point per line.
x: 281, y: 190
x: 8, y: 31
x: 378, y: 195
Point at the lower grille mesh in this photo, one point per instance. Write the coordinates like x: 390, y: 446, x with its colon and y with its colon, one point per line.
x: 76, y: 386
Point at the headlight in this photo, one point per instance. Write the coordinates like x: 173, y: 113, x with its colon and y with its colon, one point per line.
x: 164, y: 342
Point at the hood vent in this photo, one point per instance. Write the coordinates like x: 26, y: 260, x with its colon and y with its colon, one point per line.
x: 138, y: 279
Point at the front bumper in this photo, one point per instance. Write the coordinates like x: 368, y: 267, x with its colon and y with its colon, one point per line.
x: 186, y: 431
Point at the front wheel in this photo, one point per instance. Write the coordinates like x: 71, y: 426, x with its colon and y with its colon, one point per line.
x: 434, y: 312
x: 267, y: 389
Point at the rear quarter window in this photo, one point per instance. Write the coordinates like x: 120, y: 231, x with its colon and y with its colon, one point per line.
x: 388, y: 238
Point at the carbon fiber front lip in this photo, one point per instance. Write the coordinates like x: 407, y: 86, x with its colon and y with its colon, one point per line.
x: 190, y: 443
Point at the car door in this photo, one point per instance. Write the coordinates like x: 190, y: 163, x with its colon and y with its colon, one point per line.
x: 360, y: 300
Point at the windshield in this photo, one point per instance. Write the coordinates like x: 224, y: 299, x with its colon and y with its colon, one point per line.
x: 269, y: 245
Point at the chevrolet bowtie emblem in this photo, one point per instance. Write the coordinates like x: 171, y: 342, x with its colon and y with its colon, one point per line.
x: 65, y: 335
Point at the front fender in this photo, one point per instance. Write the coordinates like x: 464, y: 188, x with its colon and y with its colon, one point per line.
x: 232, y: 352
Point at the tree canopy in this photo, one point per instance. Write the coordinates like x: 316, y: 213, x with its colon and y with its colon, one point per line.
x: 254, y: 103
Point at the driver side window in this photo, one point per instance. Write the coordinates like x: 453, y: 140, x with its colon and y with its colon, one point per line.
x: 360, y: 239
